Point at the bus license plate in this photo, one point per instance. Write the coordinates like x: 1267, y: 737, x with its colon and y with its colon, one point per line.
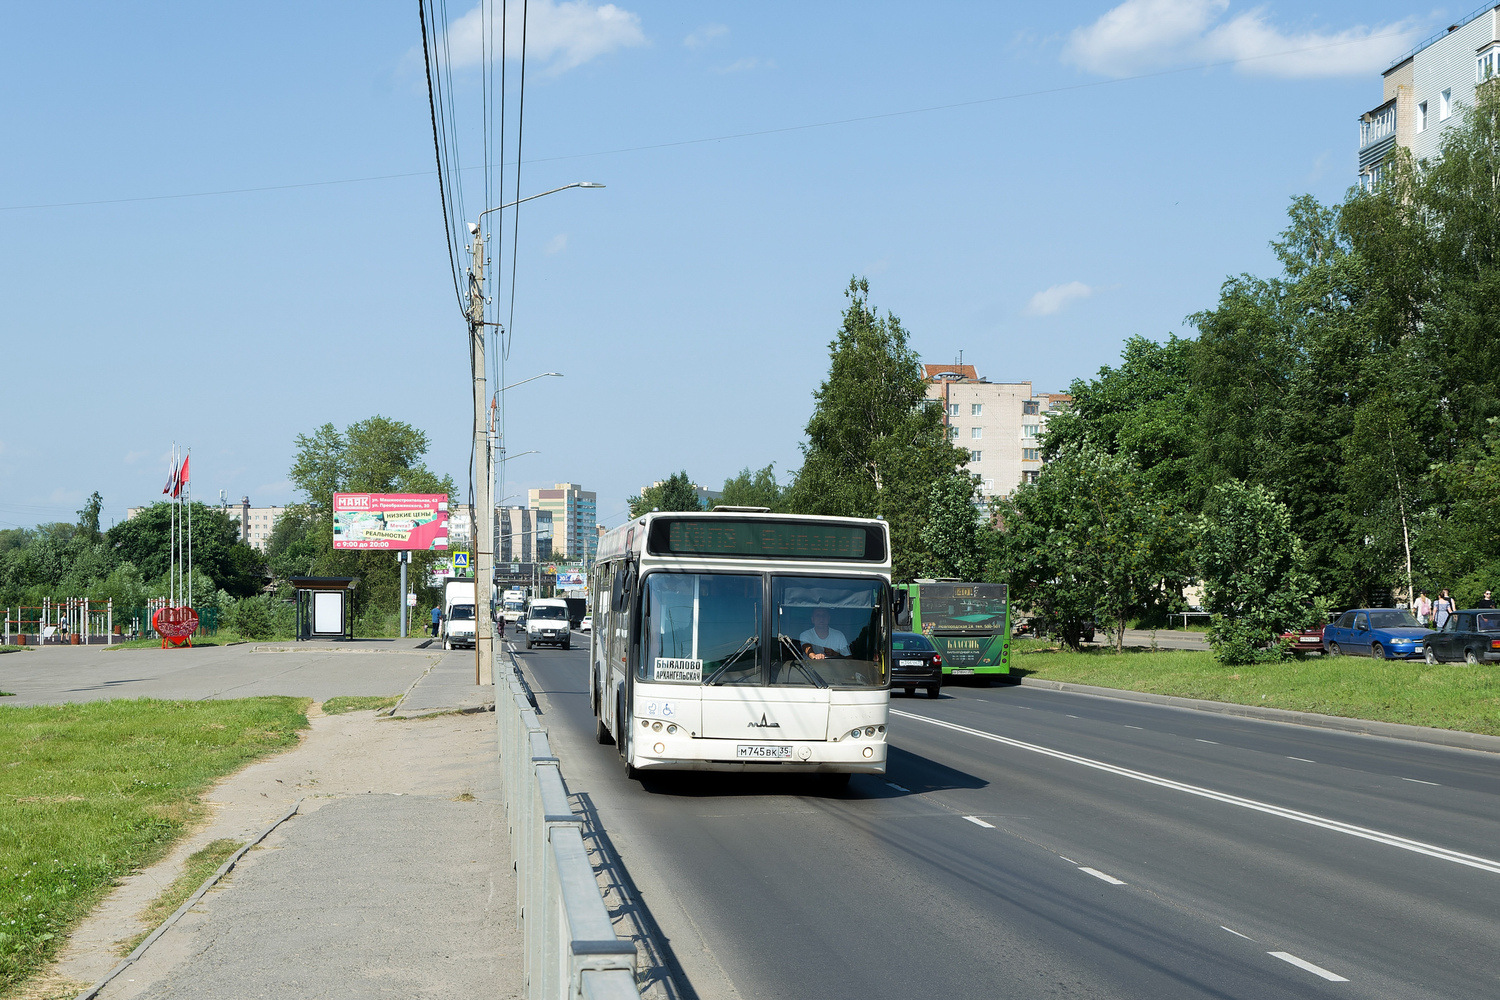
x: 756, y: 751
x: 962, y: 672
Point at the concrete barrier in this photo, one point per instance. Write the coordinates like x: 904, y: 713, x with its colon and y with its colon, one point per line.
x: 571, y: 950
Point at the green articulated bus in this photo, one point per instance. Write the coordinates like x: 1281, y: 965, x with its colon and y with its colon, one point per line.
x: 969, y: 623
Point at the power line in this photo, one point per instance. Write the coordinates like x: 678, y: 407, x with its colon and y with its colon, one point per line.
x: 438, y: 152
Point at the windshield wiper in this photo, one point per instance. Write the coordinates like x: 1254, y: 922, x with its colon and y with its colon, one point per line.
x: 802, y: 664
x: 750, y: 643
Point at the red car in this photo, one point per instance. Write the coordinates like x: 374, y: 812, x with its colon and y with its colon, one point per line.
x: 1304, y: 641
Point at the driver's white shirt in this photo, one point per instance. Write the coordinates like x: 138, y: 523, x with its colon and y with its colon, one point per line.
x: 834, y: 640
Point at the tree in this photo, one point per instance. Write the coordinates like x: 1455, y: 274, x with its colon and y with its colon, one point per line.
x: 1253, y: 581
x: 1088, y: 541
x: 875, y: 442
x: 676, y: 492
x: 145, y: 542
x: 88, y: 517
x: 753, y: 489
x: 951, y: 534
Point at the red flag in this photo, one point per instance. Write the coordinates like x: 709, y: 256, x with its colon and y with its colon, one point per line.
x: 182, y: 477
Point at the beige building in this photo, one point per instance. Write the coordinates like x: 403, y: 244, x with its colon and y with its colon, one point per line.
x: 574, y: 517
x: 255, y: 523
x: 998, y: 423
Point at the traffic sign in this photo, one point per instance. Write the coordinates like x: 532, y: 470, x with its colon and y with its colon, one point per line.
x: 460, y: 560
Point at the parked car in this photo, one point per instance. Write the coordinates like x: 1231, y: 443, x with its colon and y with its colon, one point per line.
x: 588, y: 624
x: 915, y: 662
x: 1304, y: 641
x: 1384, y: 633
x: 1472, y: 636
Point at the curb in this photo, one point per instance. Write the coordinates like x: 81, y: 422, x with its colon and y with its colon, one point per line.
x: 433, y: 713
x: 1362, y: 727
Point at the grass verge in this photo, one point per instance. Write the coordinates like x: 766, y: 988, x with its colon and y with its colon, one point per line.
x: 153, y: 642
x: 1446, y: 696
x: 199, y: 866
x: 90, y: 792
x: 15, y: 649
x: 359, y: 703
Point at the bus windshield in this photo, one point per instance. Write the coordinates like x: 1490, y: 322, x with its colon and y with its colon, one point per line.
x: 963, y: 607
x: 707, y: 628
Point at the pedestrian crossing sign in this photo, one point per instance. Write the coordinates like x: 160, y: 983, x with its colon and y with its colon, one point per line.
x: 460, y: 560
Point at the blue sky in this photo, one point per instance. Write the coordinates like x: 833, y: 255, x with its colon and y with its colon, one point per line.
x: 192, y: 247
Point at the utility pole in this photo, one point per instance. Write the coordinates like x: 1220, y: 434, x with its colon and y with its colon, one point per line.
x: 482, y: 525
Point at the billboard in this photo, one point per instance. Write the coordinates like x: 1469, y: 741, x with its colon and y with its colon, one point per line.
x: 390, y: 521
x: 571, y: 581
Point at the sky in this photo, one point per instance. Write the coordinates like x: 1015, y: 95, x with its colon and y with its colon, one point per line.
x: 220, y: 224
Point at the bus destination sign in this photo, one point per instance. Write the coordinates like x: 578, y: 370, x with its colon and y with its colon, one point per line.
x: 722, y: 536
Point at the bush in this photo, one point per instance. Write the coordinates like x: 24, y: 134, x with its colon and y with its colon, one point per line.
x: 1238, y: 643
x: 251, y: 619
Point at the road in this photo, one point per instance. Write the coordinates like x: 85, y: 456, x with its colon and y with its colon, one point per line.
x: 1032, y: 843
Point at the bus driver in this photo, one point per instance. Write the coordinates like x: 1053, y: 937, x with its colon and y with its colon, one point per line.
x: 820, y: 641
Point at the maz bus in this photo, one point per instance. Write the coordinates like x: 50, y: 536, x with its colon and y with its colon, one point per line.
x: 738, y: 640
x: 969, y: 623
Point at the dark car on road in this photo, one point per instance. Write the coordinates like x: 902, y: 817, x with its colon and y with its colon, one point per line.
x: 915, y: 662
x: 1384, y: 633
x: 1472, y: 636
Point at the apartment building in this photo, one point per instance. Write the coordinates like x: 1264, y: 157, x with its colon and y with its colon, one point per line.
x: 706, y: 497
x: 255, y: 523
x: 522, y: 535
x: 1427, y: 88
x: 998, y: 423
x: 574, y: 517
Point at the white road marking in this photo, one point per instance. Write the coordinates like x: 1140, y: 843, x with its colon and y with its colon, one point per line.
x: 1236, y: 933
x: 1303, y: 760
x: 1209, y: 742
x: 897, y: 787
x: 1332, y: 977
x: 1072, y: 716
x: 1421, y: 782
x: 1281, y: 812
x: 1100, y: 875
x: 1136, y: 727
x: 1068, y: 860
x: 979, y: 822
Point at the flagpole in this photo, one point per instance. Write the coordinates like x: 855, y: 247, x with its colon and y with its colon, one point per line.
x: 172, y: 536
x: 187, y: 487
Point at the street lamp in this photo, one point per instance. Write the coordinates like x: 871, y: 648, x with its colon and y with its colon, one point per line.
x: 484, y: 636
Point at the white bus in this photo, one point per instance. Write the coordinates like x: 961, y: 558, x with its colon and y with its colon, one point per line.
x: 737, y: 640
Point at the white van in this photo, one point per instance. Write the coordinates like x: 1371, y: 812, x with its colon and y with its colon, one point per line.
x: 458, y: 614
x: 547, y: 621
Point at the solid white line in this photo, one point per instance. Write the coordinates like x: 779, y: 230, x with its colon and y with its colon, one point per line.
x: 1236, y: 933
x: 1421, y: 782
x: 979, y: 822
x: 1337, y: 826
x: 1100, y: 875
x: 1210, y: 742
x: 1332, y: 977
x: 897, y: 787
x: 1068, y: 860
x: 1303, y: 760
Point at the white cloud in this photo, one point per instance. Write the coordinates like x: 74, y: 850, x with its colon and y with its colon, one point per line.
x: 556, y: 244
x: 747, y: 63
x: 562, y: 34
x: 704, y: 35
x: 1051, y: 300
x: 1140, y: 36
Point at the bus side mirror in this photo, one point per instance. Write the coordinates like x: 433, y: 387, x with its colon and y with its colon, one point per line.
x: 901, y: 606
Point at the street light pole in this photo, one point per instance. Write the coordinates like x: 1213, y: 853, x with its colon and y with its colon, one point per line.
x: 482, y: 525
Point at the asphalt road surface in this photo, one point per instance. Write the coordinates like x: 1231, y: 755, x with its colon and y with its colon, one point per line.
x: 1031, y: 843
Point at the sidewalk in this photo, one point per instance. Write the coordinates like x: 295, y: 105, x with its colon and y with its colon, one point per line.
x: 392, y: 879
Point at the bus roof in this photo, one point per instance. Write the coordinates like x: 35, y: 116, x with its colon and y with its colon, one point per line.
x: 632, y: 537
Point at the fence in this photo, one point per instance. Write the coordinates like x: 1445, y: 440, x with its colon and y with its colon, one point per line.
x: 571, y: 950
x: 75, y: 620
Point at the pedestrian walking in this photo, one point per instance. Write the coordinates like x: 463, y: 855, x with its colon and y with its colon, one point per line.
x: 1424, y: 608
x: 437, y: 616
x: 1488, y: 602
x: 1442, y: 608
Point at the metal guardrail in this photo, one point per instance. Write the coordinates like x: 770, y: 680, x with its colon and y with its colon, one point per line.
x: 571, y: 950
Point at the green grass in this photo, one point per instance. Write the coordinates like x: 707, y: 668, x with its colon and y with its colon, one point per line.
x: 1446, y: 696
x: 199, y: 641
x: 90, y: 792
x: 15, y: 649
x: 359, y: 703
x: 199, y: 866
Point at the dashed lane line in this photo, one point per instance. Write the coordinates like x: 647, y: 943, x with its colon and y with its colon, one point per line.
x: 1209, y: 742
x: 1419, y: 781
x: 1236, y: 933
x: 1101, y: 876
x: 1332, y: 977
x: 1302, y: 759
x: 1281, y: 812
x: 979, y: 822
x: 897, y: 787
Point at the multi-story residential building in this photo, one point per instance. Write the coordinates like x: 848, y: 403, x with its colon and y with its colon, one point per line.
x: 574, y: 515
x: 1427, y: 88
x: 706, y: 497
x: 999, y: 423
x: 521, y: 534
x: 255, y: 523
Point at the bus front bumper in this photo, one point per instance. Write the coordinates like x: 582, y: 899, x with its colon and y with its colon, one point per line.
x: 660, y: 751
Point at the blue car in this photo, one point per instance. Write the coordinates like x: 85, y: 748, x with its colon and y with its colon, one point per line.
x: 1384, y: 633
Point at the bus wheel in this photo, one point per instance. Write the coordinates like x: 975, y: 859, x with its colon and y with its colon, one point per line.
x: 602, y: 734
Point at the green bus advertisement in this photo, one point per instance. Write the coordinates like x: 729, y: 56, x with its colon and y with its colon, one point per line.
x: 969, y: 623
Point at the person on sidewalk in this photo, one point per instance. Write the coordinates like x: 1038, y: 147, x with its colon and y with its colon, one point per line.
x: 437, y: 616
x: 1442, y: 608
x: 1424, y: 608
x: 1487, y: 602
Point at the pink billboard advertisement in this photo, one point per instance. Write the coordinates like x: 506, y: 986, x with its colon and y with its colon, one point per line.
x: 390, y: 521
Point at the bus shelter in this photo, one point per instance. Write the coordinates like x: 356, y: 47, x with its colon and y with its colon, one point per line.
x: 323, y: 607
